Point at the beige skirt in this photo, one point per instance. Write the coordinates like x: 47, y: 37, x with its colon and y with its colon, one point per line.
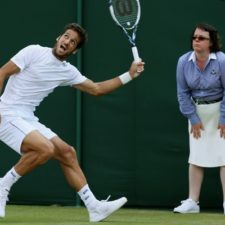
x: 209, y: 150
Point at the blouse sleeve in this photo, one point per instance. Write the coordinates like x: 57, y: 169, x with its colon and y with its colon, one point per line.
x: 186, y: 105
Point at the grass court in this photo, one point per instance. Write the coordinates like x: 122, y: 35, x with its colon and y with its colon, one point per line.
x: 58, y: 215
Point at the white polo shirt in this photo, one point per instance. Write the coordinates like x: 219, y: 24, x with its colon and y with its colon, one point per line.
x: 40, y: 73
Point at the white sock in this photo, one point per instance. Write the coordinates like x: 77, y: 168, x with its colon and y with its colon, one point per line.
x: 9, y: 179
x: 88, y: 197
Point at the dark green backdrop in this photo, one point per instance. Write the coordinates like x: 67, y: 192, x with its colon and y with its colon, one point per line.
x: 134, y: 141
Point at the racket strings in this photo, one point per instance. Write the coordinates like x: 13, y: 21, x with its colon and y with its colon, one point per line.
x: 127, y: 22
x: 126, y: 12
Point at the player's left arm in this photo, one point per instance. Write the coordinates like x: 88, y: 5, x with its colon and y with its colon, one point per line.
x: 7, y: 70
x: 107, y: 86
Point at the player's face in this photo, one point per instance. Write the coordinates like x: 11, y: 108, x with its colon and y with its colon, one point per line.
x: 66, y: 44
x: 201, y: 41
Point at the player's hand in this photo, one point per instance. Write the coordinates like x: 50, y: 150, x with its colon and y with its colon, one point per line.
x: 136, y: 68
x: 196, y: 130
x: 222, y: 130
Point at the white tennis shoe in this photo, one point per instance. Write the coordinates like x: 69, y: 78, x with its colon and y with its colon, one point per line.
x: 105, y: 208
x: 3, y: 199
x: 224, y: 207
x: 188, y: 206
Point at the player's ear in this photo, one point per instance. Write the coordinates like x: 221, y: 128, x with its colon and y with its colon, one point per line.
x: 58, y: 38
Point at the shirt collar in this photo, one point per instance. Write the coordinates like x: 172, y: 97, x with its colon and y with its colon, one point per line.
x: 192, y: 57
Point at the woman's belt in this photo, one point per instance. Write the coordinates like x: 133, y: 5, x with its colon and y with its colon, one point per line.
x: 199, y: 101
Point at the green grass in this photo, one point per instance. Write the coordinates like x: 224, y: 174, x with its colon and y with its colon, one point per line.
x: 56, y: 215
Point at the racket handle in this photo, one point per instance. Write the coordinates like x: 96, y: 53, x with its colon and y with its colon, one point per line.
x: 135, y: 54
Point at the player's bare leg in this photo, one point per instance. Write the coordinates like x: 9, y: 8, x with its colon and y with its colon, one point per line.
x: 98, y: 210
x: 66, y: 155
x: 36, y: 150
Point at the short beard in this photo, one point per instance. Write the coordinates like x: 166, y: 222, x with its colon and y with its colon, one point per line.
x: 60, y: 57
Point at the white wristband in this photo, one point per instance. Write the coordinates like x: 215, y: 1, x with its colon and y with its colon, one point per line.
x: 125, y: 78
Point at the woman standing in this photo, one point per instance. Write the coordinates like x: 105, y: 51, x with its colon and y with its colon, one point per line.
x: 200, y: 90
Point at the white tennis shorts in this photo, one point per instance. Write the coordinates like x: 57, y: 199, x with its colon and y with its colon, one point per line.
x: 14, y: 129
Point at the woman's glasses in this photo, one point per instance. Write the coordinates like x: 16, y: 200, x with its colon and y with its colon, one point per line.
x: 200, y: 38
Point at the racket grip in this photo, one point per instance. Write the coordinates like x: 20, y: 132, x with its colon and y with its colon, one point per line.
x: 135, y: 54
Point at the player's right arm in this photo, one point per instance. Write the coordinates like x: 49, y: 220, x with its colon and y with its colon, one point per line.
x: 6, y: 71
x: 107, y: 86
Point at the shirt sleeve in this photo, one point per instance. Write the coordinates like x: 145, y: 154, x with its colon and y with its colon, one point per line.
x: 74, y: 76
x: 25, y: 56
x: 186, y: 105
x: 221, y: 59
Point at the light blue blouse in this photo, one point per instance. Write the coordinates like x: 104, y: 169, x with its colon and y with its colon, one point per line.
x: 206, y: 84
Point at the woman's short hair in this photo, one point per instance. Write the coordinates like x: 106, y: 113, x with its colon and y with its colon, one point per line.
x: 213, y: 34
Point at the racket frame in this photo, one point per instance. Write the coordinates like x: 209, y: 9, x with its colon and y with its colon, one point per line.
x: 132, y: 36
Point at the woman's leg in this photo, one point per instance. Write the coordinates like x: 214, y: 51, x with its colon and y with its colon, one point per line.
x: 196, y: 175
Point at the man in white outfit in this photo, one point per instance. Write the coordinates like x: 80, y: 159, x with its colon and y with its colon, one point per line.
x: 33, y: 73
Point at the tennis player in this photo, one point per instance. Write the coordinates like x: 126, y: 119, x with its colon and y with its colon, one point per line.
x: 33, y: 73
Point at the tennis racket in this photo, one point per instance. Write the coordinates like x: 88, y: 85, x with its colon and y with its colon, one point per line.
x: 126, y: 14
